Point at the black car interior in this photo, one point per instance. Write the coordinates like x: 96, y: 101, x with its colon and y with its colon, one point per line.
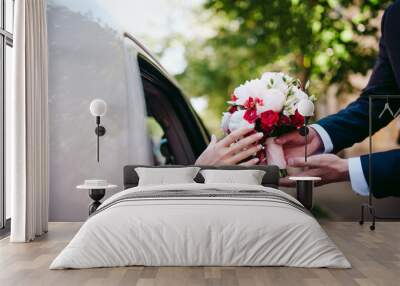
x: 176, y: 132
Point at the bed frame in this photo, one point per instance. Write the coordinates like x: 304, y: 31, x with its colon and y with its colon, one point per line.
x: 270, y: 179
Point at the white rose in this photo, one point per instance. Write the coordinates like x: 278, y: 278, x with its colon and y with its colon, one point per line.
x: 273, y: 99
x: 241, y: 93
x: 299, y: 94
x: 253, y: 88
x: 306, y: 107
x: 225, y: 122
x: 237, y: 121
x: 276, y: 80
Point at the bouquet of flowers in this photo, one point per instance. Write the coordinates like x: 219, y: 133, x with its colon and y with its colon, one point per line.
x: 270, y: 105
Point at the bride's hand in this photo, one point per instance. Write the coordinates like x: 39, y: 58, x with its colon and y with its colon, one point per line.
x: 232, y: 149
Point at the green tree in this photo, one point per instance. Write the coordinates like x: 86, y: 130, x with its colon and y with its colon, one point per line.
x: 324, y: 41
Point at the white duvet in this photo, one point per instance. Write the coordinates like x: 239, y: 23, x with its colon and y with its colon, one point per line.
x: 188, y: 231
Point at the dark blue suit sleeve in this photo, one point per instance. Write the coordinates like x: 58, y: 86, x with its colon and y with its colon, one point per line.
x: 391, y: 34
x: 385, y: 173
x: 351, y: 125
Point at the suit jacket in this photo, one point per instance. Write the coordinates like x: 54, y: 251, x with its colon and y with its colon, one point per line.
x: 351, y: 125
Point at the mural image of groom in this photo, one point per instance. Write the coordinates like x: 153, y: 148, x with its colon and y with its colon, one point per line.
x: 350, y: 126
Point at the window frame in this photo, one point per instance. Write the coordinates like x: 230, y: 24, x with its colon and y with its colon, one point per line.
x: 6, y: 39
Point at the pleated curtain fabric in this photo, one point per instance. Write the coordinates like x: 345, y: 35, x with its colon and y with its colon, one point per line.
x: 28, y: 160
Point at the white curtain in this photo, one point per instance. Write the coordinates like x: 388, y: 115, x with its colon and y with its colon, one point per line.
x: 27, y: 128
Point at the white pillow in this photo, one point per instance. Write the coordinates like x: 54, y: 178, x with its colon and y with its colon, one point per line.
x: 164, y: 176
x: 248, y: 177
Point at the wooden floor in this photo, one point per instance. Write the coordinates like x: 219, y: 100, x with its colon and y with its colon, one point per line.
x: 375, y: 257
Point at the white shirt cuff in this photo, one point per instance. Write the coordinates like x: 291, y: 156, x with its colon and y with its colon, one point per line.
x: 326, y: 139
x: 357, y: 178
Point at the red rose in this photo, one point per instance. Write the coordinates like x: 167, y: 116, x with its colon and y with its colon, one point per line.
x: 232, y: 109
x: 233, y: 97
x: 297, y: 119
x: 250, y: 115
x: 284, y: 120
x: 269, y: 118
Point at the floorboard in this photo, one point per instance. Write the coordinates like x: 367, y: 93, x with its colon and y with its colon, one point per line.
x: 375, y: 257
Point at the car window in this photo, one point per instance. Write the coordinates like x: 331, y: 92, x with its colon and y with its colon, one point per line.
x: 176, y: 133
x: 159, y: 143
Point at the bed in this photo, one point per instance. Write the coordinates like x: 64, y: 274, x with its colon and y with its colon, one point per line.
x: 201, y: 224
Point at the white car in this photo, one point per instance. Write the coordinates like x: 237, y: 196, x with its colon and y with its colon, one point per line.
x: 148, y: 121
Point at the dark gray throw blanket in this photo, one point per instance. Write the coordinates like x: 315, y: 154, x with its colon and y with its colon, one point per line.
x: 206, y: 194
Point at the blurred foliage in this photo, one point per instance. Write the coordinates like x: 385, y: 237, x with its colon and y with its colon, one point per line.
x: 320, y: 213
x: 321, y: 40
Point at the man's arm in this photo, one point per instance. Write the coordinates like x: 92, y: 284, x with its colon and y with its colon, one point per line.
x: 385, y: 173
x: 350, y: 125
x: 331, y: 168
x: 357, y: 179
x: 391, y: 35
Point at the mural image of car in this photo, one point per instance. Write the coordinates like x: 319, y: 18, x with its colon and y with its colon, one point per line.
x: 149, y: 120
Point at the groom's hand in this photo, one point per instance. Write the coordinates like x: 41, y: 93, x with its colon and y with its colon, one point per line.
x: 232, y: 149
x: 293, y: 144
x: 329, y: 167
